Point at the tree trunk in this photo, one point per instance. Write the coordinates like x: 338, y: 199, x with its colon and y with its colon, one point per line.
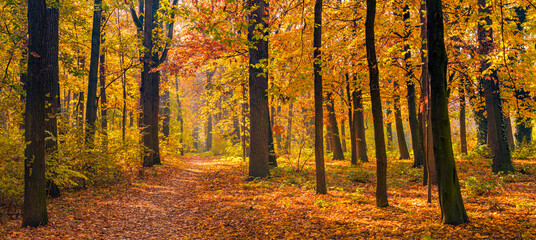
x: 351, y: 112
x: 332, y: 119
x: 377, y: 115
x: 389, y: 128
x: 166, y: 112
x: 288, y: 143
x: 359, y: 126
x: 502, y: 160
x: 149, y: 91
x: 430, y: 176
x: 180, y: 119
x: 450, y: 197
x: 480, y: 117
x: 104, y: 111
x: 522, y: 121
x: 40, y: 76
x: 401, y: 139
x: 91, y: 105
x: 463, y: 131
x: 258, y: 84
x: 319, y: 116
x: 416, y: 139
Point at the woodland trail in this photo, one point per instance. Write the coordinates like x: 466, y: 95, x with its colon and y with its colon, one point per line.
x: 196, y: 197
x: 167, y: 204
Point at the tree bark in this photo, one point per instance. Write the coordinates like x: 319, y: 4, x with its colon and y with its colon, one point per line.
x: 258, y: 84
x: 450, y: 197
x: 463, y: 131
x: 381, y: 155
x: 288, y: 143
x: 359, y: 126
x: 102, y: 78
x: 351, y: 112
x: 319, y: 116
x: 523, y: 122
x: 40, y: 75
x: 401, y: 139
x: 91, y: 105
x: 150, y: 86
x: 334, y: 129
x: 416, y: 139
x: 430, y: 176
x: 502, y: 160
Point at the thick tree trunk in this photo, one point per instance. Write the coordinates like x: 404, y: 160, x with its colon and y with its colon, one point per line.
x: 502, y: 160
x: 334, y: 129
x: 40, y: 75
x: 450, y: 197
x: 150, y: 86
x: 319, y: 116
x: 480, y: 117
x: 377, y: 115
x: 258, y: 84
x: 91, y: 105
x: 401, y: 139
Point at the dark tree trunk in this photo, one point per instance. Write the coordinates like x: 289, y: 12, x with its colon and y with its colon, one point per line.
x: 208, y: 129
x: 359, y: 126
x: 272, y: 158
x: 450, y: 197
x: 401, y: 139
x: 319, y: 116
x: 91, y: 105
x: 430, y: 176
x: 351, y: 112
x: 279, y: 137
x: 480, y: 117
x: 40, y: 75
x: 258, y: 84
x: 288, y: 143
x: 416, y: 140
x: 104, y: 111
x: 502, y: 160
x: 166, y: 112
x: 374, y: 75
x: 463, y: 131
x: 149, y: 91
x: 389, y: 128
x: 332, y: 119
x: 522, y: 121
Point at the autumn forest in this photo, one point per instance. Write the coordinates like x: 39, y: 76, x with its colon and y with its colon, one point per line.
x: 263, y: 119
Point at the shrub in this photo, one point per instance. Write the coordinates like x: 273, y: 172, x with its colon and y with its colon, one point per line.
x: 361, y: 175
x: 477, y: 186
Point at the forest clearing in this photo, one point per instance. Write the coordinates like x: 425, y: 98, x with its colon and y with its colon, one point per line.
x: 267, y: 119
x: 197, y: 197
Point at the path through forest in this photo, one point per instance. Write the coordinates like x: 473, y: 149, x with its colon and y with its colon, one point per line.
x: 196, y: 197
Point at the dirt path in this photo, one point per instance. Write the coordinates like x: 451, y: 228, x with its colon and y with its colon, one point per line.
x: 165, y: 205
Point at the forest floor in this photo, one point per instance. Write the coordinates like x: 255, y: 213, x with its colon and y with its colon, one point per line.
x: 197, y: 197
